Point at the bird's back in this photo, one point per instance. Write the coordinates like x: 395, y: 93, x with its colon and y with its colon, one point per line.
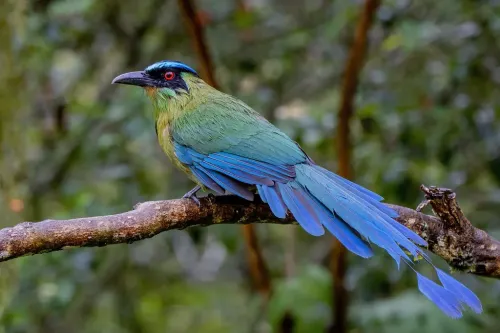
x: 217, y: 122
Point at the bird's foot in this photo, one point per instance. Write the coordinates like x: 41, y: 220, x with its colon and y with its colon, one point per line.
x: 192, y: 195
x: 422, y: 205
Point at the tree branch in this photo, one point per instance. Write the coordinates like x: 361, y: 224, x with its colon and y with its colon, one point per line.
x: 188, y: 10
x: 450, y: 235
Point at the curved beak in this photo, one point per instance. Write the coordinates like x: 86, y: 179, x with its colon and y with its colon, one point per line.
x: 139, y: 78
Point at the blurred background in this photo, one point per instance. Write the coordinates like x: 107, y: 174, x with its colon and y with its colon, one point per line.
x: 427, y: 110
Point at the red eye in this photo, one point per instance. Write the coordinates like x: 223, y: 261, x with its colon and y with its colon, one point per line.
x: 169, y: 76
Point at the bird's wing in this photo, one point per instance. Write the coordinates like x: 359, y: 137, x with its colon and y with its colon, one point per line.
x: 225, y: 124
x: 223, y: 171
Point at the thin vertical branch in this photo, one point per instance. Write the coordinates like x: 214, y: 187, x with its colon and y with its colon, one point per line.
x: 257, y: 265
x: 195, y: 27
x: 355, y: 61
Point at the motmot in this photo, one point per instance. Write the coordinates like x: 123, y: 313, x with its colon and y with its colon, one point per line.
x: 222, y: 144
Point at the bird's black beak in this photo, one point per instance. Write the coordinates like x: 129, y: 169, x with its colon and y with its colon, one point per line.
x: 140, y: 79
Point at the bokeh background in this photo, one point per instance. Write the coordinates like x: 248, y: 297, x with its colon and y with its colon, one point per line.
x: 427, y: 111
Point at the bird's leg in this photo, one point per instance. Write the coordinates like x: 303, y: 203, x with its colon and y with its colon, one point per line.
x: 192, y: 195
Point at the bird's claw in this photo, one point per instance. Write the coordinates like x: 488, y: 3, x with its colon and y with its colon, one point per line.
x: 192, y: 195
x: 422, y: 205
x: 194, y: 198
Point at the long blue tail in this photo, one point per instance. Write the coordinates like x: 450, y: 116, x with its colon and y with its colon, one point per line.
x: 319, y: 198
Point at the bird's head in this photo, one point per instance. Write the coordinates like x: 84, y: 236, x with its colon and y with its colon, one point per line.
x: 168, y: 77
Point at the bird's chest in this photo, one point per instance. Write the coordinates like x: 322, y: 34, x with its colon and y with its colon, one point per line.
x: 165, y: 138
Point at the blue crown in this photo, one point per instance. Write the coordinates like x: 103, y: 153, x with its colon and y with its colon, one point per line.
x: 168, y: 64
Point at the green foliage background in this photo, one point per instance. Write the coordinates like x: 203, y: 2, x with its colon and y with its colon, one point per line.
x: 71, y: 145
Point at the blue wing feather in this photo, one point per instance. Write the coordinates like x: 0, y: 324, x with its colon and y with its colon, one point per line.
x: 287, y: 171
x: 183, y: 154
x: 349, y: 237
x: 463, y: 293
x: 262, y: 193
x: 275, y: 201
x: 352, y: 186
x: 206, y: 180
x: 233, y: 165
x: 231, y: 185
x: 239, y: 175
x: 277, y: 173
x: 443, y: 298
x: 301, y: 209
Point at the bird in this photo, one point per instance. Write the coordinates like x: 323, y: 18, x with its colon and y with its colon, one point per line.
x: 224, y: 145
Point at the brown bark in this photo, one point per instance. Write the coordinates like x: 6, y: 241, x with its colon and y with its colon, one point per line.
x: 257, y: 266
x: 338, y: 263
